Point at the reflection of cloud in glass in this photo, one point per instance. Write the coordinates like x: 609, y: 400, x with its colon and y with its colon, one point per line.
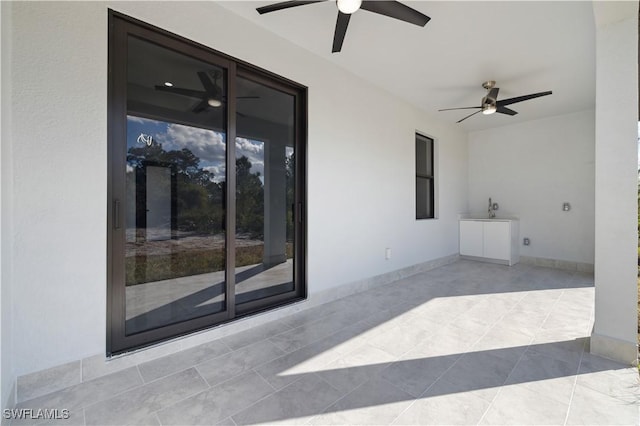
x: 254, y: 151
x: 218, y: 172
x: 208, y: 145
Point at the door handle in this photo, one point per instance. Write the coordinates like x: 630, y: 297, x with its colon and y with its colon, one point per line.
x: 116, y: 214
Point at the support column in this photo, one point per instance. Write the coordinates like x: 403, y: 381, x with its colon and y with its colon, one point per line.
x: 614, y: 331
x: 275, y: 204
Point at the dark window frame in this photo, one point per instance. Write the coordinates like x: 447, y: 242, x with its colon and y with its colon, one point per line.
x: 426, y: 173
x: 120, y: 27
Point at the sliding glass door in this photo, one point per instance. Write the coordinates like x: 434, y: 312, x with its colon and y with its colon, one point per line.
x: 200, y: 230
x: 265, y: 187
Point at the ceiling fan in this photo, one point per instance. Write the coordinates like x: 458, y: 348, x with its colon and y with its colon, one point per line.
x: 346, y: 8
x: 491, y: 104
x: 212, y: 95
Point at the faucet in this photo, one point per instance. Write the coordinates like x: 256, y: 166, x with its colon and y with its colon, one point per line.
x: 492, y: 213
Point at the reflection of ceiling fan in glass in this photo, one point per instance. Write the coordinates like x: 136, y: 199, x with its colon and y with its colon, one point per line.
x: 211, y: 96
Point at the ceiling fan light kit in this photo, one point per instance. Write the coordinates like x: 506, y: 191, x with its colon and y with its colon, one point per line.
x: 391, y: 9
x: 488, y: 109
x: 490, y: 103
x: 348, y: 6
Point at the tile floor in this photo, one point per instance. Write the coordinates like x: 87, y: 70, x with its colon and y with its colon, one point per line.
x: 466, y: 343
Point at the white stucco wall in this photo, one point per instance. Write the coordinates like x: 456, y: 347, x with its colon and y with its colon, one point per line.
x: 530, y: 169
x: 360, y: 167
x: 614, y: 331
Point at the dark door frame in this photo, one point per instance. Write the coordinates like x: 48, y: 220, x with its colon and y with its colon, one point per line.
x: 120, y: 27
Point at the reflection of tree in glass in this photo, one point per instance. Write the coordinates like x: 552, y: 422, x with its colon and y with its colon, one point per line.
x: 199, y: 199
x: 249, y: 200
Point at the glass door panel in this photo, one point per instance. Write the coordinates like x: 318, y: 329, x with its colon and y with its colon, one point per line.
x: 265, y: 176
x: 175, y: 188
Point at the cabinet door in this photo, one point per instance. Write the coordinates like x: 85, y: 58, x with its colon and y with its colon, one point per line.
x: 497, y: 240
x: 471, y: 236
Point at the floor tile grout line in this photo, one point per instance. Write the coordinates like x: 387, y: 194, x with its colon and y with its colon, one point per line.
x: 263, y: 378
x: 338, y: 390
x: 190, y: 395
x: 263, y: 398
x: 111, y: 396
x: 575, y: 382
x: 504, y: 383
x: 185, y: 368
x: 238, y: 374
x: 213, y: 387
x: 139, y: 387
x: 317, y: 340
x: 257, y: 341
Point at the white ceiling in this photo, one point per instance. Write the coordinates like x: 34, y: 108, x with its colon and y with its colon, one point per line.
x: 527, y: 47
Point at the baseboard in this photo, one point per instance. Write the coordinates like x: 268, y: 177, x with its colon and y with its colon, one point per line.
x: 89, y: 368
x: 615, y: 349
x: 566, y: 265
x: 358, y: 286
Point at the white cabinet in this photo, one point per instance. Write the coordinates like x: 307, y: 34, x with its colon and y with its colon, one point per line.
x: 471, y: 238
x: 493, y: 240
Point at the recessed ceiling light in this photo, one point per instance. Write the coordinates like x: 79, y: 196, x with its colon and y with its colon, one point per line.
x: 214, y: 102
x: 168, y: 84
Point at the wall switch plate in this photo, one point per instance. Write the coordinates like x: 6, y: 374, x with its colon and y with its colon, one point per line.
x: 387, y: 253
x: 526, y: 242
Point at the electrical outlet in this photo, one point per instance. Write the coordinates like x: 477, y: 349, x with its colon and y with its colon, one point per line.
x: 387, y: 253
x: 526, y: 241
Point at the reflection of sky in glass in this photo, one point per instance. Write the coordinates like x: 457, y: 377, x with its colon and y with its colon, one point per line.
x: 208, y: 145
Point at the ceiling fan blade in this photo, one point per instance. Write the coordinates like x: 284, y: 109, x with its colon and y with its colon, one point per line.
x: 504, y: 110
x: 470, y: 115
x: 493, y: 93
x: 180, y: 91
x: 200, y: 106
x: 208, y: 84
x: 522, y: 98
x: 397, y: 10
x: 341, y: 30
x: 452, y: 109
x: 284, y: 5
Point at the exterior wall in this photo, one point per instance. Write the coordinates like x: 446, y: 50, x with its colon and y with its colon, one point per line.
x: 530, y: 169
x: 7, y: 371
x: 360, y: 168
x: 614, y: 331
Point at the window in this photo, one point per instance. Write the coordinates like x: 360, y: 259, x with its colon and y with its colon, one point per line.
x: 206, y: 187
x: 425, y: 205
